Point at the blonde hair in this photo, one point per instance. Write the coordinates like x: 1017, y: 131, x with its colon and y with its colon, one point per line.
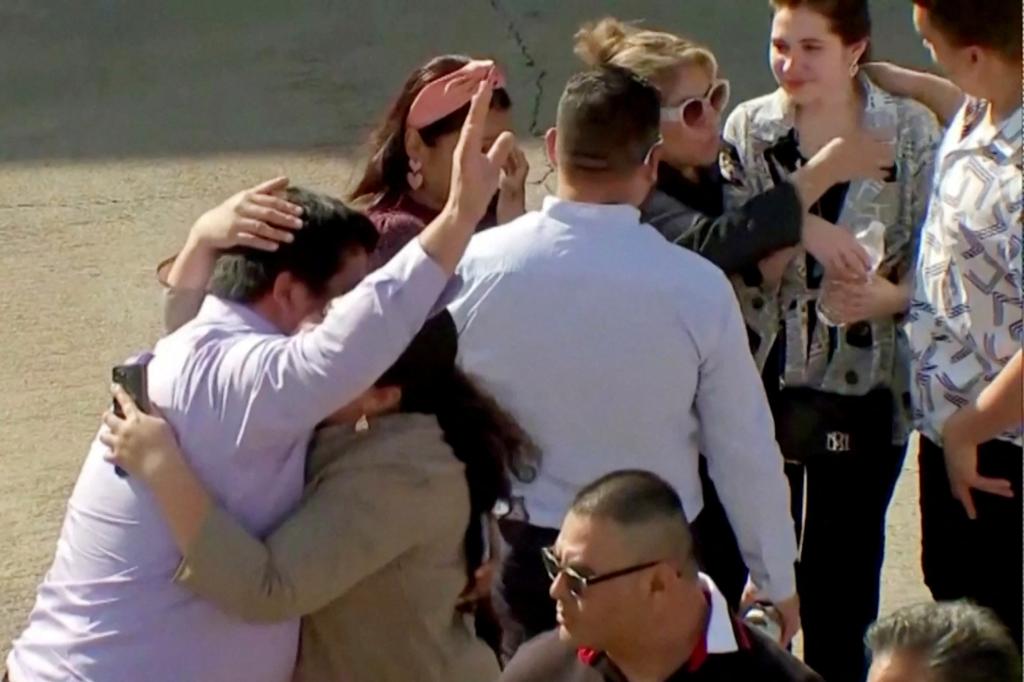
x: 654, y: 55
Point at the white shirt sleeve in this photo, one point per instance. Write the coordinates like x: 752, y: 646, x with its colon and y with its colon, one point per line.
x: 738, y: 440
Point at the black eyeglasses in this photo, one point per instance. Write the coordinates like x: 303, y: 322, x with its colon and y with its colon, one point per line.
x: 577, y: 583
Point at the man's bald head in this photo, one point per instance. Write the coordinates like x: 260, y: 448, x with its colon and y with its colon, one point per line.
x: 648, y: 511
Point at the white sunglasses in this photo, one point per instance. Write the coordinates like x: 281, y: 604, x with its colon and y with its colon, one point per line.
x: 692, y: 111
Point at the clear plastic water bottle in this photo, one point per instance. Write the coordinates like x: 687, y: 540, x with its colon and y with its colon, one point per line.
x: 872, y: 238
x: 883, y: 123
x: 766, y: 618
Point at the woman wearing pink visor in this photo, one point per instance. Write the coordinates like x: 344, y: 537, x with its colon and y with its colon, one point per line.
x: 405, y: 182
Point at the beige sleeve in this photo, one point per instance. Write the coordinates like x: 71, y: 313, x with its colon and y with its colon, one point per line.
x: 180, y: 306
x: 347, y: 527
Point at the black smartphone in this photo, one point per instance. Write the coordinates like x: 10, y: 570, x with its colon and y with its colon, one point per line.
x: 132, y: 378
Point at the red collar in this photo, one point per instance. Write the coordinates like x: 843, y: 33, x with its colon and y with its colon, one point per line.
x: 700, y: 652
x: 588, y: 656
x: 698, y: 657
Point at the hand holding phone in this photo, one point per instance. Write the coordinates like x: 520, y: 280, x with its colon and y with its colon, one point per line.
x: 132, y: 378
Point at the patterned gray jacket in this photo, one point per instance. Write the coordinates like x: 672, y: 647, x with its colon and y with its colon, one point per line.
x: 852, y: 361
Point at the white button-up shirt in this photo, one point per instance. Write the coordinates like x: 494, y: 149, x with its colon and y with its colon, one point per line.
x: 243, y: 399
x: 967, y: 316
x: 616, y: 349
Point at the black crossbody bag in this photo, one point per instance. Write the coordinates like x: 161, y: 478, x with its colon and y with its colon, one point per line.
x: 810, y: 424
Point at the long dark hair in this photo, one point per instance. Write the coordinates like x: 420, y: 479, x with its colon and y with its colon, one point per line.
x: 482, y: 435
x: 386, y: 168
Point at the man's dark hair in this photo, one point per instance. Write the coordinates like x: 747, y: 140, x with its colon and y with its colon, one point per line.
x: 995, y: 24
x: 633, y: 498
x: 330, y: 231
x: 956, y: 641
x: 627, y: 497
x: 608, y: 119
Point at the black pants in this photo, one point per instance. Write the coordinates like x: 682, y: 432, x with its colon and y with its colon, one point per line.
x: 978, y: 560
x: 520, y: 594
x: 521, y: 599
x: 718, y: 553
x: 839, y: 501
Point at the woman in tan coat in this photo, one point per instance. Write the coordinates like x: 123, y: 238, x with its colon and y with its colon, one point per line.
x: 388, y: 535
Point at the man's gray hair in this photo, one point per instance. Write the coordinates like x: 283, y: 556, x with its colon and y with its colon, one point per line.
x: 957, y: 641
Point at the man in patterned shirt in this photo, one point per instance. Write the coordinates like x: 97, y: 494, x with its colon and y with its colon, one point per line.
x: 967, y: 319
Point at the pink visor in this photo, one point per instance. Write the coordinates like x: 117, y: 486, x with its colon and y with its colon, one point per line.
x: 450, y: 93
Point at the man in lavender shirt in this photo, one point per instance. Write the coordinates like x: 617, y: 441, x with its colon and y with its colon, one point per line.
x: 244, y: 390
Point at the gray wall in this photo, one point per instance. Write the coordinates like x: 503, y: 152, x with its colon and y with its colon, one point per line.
x: 143, y: 78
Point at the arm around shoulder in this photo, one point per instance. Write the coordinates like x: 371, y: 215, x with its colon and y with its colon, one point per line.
x: 349, y: 525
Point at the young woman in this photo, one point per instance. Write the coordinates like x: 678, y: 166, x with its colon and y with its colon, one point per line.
x: 839, y: 391
x: 388, y: 536
x: 405, y: 182
x: 689, y: 206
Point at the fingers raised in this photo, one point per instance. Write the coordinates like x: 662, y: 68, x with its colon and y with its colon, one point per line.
x: 502, y: 148
x: 472, y: 135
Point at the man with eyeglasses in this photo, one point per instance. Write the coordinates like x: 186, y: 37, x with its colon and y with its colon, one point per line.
x: 614, y: 348
x: 632, y: 604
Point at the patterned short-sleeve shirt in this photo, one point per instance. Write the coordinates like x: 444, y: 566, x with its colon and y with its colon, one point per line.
x: 967, y: 316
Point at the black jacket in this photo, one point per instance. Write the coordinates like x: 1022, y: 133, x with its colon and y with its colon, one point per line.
x: 692, y: 215
x: 548, y: 659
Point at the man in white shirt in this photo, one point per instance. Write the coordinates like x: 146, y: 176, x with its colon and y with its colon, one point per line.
x: 614, y: 348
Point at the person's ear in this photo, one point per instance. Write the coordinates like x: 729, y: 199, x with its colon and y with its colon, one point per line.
x: 856, y: 51
x: 658, y: 583
x: 287, y: 292
x: 551, y: 146
x: 655, y: 161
